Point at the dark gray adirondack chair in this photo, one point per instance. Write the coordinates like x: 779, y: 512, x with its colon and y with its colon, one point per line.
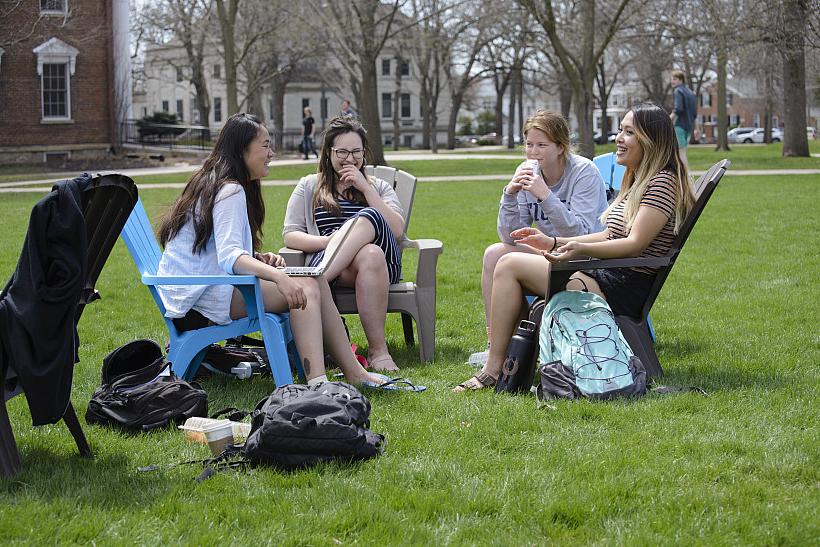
x: 107, y: 201
x: 636, y: 330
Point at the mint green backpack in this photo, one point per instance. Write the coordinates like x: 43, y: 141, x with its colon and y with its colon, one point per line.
x: 583, y: 352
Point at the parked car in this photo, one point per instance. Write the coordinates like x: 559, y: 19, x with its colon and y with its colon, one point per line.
x: 735, y: 135
x: 811, y: 132
x: 467, y: 139
x: 757, y: 135
x: 505, y: 139
x: 488, y: 138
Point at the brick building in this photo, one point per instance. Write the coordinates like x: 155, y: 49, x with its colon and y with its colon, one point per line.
x: 745, y: 106
x: 64, y: 79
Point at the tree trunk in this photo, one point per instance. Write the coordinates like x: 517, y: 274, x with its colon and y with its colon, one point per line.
x: 277, y: 113
x: 203, y: 99
x: 227, y: 21
x: 369, y: 110
x: 396, y: 105
x: 424, y: 104
x: 501, y: 89
x: 584, y: 100
x: 511, y: 112
x: 456, y: 99
x: 565, y: 96
x: 584, y: 112
x: 723, y: 122
x: 520, y: 102
x: 795, y: 141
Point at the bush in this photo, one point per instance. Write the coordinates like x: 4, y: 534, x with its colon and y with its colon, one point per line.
x: 465, y: 125
x: 486, y: 122
x: 159, y: 125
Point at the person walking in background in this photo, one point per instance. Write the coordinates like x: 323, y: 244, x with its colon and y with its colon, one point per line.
x: 684, y: 113
x: 347, y: 109
x: 308, y: 128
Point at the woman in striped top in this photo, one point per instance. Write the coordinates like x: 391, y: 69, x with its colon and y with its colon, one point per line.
x: 370, y: 259
x: 653, y: 202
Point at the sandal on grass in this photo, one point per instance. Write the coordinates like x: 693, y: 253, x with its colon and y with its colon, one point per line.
x: 383, y: 362
x: 392, y: 384
x: 481, y: 380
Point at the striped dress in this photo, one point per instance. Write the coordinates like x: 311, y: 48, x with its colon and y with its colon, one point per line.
x: 328, y: 223
x: 660, y: 195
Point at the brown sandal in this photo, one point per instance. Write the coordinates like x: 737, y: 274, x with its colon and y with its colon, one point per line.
x: 481, y: 380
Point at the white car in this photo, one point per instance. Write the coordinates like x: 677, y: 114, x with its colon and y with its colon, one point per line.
x: 811, y: 133
x: 735, y: 135
x: 757, y: 135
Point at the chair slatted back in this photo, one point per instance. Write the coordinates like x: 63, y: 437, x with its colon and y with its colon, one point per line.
x: 605, y: 163
x: 107, y: 203
x: 611, y: 171
x: 139, y: 237
x: 703, y: 189
x: 403, y: 183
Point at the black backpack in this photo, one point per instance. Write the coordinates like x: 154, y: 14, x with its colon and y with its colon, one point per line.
x: 297, y: 426
x: 140, y: 392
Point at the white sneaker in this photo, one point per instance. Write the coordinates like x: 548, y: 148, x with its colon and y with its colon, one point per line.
x: 479, y: 358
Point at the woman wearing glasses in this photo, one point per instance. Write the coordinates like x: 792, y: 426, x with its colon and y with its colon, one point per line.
x: 370, y: 259
x: 215, y: 227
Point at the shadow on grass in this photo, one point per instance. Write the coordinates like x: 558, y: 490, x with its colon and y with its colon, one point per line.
x: 49, y: 476
x: 721, y: 376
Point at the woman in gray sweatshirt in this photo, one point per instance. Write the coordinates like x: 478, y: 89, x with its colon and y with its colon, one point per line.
x: 560, y: 193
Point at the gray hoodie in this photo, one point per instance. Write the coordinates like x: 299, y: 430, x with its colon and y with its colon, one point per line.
x: 573, y: 207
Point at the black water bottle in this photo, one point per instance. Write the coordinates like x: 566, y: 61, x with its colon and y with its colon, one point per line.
x: 519, y: 364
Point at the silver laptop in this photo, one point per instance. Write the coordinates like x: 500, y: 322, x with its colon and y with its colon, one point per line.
x: 331, y: 252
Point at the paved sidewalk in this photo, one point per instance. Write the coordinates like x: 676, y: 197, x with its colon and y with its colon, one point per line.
x: 44, y: 185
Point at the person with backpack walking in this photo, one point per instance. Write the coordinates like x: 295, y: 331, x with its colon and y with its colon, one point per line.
x: 684, y: 113
x: 654, y: 200
x: 215, y: 227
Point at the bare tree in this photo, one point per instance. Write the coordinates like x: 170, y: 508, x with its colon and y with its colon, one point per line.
x: 431, y: 43
x: 184, y: 22
x: 580, y: 68
x: 461, y: 69
x: 789, y: 25
x: 355, y: 33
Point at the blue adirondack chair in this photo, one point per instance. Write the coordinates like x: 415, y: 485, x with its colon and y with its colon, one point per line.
x: 188, y: 348
x: 613, y: 174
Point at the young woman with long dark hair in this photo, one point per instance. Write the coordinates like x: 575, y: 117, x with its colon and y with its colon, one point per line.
x: 215, y: 227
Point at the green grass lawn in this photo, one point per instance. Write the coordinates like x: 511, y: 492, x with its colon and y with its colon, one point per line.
x: 738, y: 316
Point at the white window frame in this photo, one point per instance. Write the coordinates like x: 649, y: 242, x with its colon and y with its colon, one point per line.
x: 61, y: 12
x: 55, y: 52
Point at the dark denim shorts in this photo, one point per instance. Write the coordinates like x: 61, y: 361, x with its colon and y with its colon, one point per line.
x: 625, y: 289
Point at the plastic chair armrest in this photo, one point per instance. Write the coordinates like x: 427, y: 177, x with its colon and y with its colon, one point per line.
x: 429, y: 251
x: 598, y: 263
x: 199, y: 279
x: 293, y: 257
